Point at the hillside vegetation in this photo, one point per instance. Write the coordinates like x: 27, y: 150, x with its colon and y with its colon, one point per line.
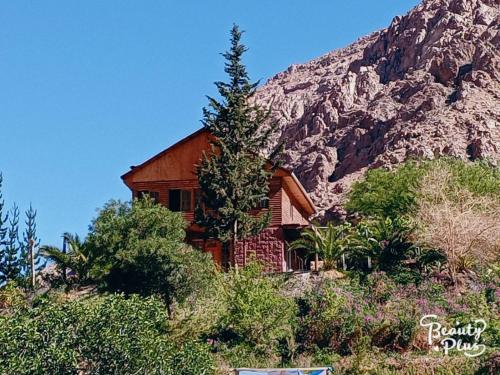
x: 145, y: 303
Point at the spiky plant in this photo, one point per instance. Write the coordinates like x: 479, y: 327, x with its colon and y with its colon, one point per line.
x: 328, y: 243
x: 78, y: 257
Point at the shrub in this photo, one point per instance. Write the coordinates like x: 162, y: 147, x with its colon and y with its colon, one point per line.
x: 141, y: 250
x: 396, y: 192
x: 389, y: 244
x: 255, y: 315
x: 105, y: 335
x: 329, y: 242
x: 459, y: 221
x: 12, y: 297
x: 331, y: 317
x: 387, y: 193
x: 455, y: 203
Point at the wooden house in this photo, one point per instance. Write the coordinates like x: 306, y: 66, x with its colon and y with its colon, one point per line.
x: 170, y: 178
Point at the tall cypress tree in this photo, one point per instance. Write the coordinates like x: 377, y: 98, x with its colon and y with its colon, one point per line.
x: 11, y: 267
x: 233, y: 176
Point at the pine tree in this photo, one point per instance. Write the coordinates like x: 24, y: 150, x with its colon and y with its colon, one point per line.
x: 11, y: 264
x: 233, y: 176
x: 30, y: 239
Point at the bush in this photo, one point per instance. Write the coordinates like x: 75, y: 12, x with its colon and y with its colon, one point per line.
x: 390, y: 245
x: 462, y: 223
x: 331, y: 318
x: 387, y: 193
x: 255, y: 314
x: 141, y: 250
x: 105, y: 335
x: 12, y: 297
x: 394, y: 193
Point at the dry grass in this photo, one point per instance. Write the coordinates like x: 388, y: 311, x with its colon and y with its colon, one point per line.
x: 465, y: 226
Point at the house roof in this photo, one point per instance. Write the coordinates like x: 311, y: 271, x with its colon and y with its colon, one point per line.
x: 290, y: 180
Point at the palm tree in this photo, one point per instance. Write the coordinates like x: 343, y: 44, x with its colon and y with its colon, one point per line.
x: 328, y: 242
x: 78, y: 258
x: 386, y: 240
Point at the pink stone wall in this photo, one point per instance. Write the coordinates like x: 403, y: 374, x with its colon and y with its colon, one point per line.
x: 268, y: 246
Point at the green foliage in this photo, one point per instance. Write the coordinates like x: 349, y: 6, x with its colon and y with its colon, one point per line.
x: 233, y: 176
x: 329, y: 242
x: 15, y: 261
x: 387, y: 193
x: 331, y: 318
x: 3, y: 221
x: 29, y: 239
x: 139, y: 248
x: 394, y: 193
x: 12, y: 297
x: 389, y: 244
x: 78, y: 257
x: 105, y: 335
x: 255, y: 313
x: 10, y: 264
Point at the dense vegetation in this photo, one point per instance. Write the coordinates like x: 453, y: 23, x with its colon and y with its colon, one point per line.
x: 178, y: 315
x: 19, y: 250
x: 104, y: 335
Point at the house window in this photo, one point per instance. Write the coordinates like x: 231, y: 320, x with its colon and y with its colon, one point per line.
x: 185, y: 200
x: 264, y: 203
x: 179, y: 200
x: 153, y: 195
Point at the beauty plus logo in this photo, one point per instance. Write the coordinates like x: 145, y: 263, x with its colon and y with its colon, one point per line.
x: 463, y: 338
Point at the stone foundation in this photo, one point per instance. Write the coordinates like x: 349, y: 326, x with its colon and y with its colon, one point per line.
x: 268, y: 246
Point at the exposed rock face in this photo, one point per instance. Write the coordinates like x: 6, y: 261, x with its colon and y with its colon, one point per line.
x: 426, y: 86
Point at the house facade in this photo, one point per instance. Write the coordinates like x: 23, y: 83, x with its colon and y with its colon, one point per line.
x: 170, y: 178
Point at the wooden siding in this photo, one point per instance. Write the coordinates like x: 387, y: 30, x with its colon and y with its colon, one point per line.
x: 175, y: 168
x: 178, y: 163
x: 291, y: 212
x: 162, y: 188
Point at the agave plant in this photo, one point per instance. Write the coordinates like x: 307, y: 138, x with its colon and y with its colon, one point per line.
x: 328, y: 242
x: 78, y: 257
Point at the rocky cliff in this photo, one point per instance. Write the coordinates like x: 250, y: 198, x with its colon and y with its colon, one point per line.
x: 426, y: 86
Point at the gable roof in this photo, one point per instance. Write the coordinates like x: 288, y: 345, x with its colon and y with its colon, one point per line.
x: 289, y: 178
x: 136, y: 168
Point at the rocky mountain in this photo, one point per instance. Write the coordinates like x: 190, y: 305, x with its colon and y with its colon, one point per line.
x: 426, y: 86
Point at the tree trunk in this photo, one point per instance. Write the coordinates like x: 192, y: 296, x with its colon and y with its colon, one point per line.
x: 32, y: 263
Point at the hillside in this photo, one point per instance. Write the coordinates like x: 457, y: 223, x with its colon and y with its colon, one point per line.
x: 426, y: 86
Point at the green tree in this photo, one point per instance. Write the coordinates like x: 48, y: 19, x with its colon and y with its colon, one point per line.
x: 78, y: 257
x: 233, y: 176
x: 329, y: 242
x: 140, y: 248
x: 11, y: 265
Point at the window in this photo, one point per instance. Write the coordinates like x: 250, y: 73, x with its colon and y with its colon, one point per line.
x: 179, y: 200
x: 154, y: 195
x: 185, y: 200
x: 174, y: 200
x: 264, y: 203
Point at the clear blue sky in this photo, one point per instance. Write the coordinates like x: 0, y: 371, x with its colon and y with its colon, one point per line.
x: 88, y: 88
